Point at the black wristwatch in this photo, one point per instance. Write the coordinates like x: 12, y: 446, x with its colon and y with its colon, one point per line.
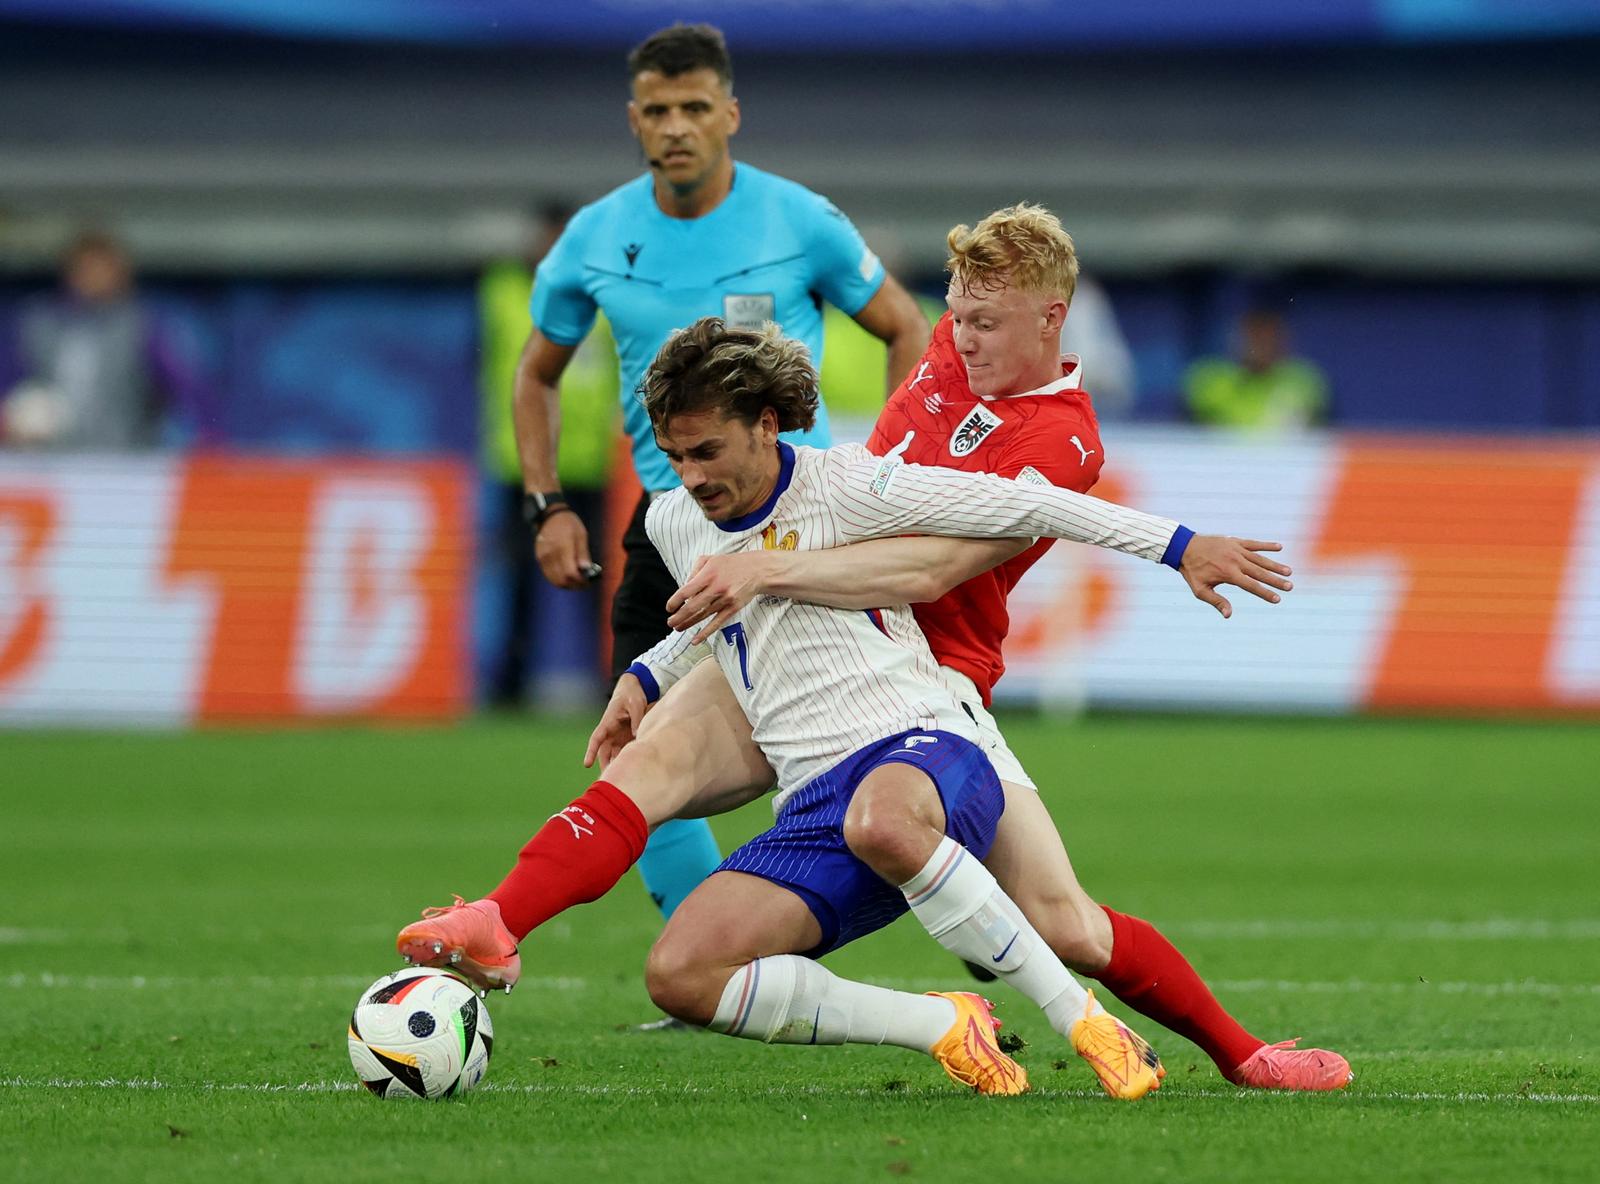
x: 537, y: 508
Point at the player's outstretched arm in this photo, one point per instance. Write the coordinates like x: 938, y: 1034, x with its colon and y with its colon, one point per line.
x: 871, y: 498
x: 1211, y: 560
x: 872, y: 574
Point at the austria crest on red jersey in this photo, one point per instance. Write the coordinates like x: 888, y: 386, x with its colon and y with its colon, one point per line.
x: 973, y: 430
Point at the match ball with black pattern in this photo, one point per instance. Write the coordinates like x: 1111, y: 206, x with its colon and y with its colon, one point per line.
x: 420, y: 1033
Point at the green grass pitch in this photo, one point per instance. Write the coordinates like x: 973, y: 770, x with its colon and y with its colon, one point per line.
x: 187, y: 920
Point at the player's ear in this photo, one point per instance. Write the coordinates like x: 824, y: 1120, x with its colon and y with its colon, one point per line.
x: 734, y: 117
x: 1055, y: 316
x: 633, y: 117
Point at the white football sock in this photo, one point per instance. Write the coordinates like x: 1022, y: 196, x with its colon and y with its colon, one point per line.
x: 787, y: 999
x: 965, y: 910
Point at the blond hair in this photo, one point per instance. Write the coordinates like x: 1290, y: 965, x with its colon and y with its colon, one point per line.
x: 1022, y: 245
x: 737, y: 372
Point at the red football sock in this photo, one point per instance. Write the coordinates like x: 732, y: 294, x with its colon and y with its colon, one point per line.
x: 576, y: 857
x: 1148, y: 973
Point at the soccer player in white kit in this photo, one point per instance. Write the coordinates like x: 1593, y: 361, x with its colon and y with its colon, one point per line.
x: 551, y: 875
x: 885, y: 800
x: 885, y: 796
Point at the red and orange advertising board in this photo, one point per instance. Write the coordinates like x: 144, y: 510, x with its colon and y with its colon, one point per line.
x: 1430, y: 575
x: 176, y: 591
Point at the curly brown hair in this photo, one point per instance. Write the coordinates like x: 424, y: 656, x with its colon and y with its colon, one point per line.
x: 739, y: 372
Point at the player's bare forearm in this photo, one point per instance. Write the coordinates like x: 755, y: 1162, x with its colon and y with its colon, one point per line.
x: 562, y: 546
x: 911, y: 570
x: 536, y: 410
x: 619, y: 723
x: 905, y: 351
x: 864, y: 575
x: 1211, y: 560
x: 536, y: 415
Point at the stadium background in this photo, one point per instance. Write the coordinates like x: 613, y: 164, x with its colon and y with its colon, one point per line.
x: 311, y: 194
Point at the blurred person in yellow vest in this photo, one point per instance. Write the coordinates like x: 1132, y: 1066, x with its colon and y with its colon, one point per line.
x: 853, y: 365
x: 1263, y: 388
x: 568, y: 622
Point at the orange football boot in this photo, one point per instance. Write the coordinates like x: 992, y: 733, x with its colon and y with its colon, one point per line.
x: 1128, y: 1068
x: 1283, y: 1066
x: 467, y: 937
x: 968, y: 1052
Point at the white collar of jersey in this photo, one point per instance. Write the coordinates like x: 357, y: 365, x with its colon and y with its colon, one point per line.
x: 1071, y: 379
x: 764, y: 511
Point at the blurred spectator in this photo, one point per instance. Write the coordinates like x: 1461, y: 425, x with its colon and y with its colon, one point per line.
x: 588, y: 436
x: 853, y: 365
x: 1265, y: 388
x: 1093, y: 334
x: 102, y: 373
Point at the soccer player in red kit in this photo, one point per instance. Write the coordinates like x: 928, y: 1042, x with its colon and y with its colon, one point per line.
x: 990, y: 394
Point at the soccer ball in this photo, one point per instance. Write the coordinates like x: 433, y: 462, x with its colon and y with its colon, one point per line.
x: 420, y: 1033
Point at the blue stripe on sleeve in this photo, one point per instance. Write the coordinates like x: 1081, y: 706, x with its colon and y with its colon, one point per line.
x: 1176, y: 546
x: 652, y: 691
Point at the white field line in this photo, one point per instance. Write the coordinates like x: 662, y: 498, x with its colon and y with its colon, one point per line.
x: 1486, y: 929
x: 1345, y: 987
x: 49, y: 980
x: 135, y: 1084
x: 1235, y: 929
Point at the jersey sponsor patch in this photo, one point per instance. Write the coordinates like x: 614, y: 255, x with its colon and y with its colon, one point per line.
x: 1032, y: 476
x: 973, y: 430
x: 887, y: 467
x: 868, y: 267
x: 748, y: 310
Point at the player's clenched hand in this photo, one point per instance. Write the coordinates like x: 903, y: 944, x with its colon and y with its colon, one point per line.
x: 1214, y: 559
x: 562, y: 549
x: 618, y: 724
x: 718, y: 587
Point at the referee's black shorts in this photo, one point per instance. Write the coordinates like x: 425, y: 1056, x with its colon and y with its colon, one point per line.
x: 639, y: 609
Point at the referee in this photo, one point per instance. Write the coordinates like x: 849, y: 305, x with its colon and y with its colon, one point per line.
x: 695, y: 235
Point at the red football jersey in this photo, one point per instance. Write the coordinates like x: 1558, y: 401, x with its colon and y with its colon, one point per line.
x: 1049, y: 435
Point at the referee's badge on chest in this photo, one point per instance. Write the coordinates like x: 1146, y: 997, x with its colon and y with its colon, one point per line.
x: 973, y: 430
x: 749, y: 310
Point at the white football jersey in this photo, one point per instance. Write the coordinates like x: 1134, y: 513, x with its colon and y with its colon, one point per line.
x: 818, y: 683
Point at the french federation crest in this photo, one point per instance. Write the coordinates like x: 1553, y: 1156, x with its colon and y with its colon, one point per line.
x: 973, y: 430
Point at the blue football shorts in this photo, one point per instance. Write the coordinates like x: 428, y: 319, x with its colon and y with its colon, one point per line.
x: 805, y: 850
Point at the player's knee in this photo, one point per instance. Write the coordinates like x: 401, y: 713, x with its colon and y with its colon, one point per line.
x: 681, y: 982
x: 885, y: 835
